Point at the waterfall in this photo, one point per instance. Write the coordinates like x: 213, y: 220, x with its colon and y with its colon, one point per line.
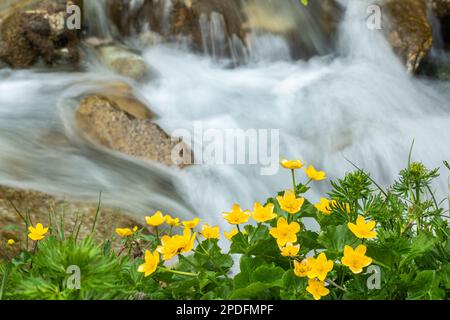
x: 98, y: 22
x: 357, y: 103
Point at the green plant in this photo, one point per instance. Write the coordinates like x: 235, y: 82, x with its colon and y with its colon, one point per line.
x: 401, y: 232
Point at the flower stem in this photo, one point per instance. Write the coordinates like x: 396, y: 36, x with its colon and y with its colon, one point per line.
x: 181, y: 273
x: 334, y: 284
x: 254, y: 232
x: 293, y: 181
x: 242, y: 235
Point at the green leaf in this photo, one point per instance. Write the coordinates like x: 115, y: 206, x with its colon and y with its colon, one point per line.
x: 426, y: 286
x: 334, y: 239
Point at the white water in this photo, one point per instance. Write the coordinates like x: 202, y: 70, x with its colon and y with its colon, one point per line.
x: 358, y: 104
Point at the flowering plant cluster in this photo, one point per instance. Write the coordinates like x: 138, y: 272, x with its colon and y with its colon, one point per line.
x: 358, y: 242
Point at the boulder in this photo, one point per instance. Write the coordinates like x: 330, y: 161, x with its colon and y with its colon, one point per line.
x: 408, y: 30
x: 35, y: 31
x: 123, y: 61
x: 104, y: 122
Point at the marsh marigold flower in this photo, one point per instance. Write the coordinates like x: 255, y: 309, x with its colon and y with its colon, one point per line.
x: 171, y: 246
x: 320, y: 267
x: 325, y: 205
x: 210, y: 232
x: 231, y: 234
x: 37, y: 233
x: 263, y: 214
x: 289, y: 202
x: 315, y: 175
x: 302, y: 268
x: 11, y: 242
x: 290, y: 250
x: 126, y: 232
x: 291, y: 164
x: 173, y: 222
x: 155, y: 220
x: 356, y: 259
x: 191, y: 224
x: 151, y: 263
x: 317, y: 289
x: 285, y: 232
x: 362, y: 229
x: 237, y: 215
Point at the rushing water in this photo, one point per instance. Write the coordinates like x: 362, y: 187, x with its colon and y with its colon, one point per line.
x: 357, y: 103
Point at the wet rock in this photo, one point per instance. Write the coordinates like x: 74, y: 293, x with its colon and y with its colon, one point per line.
x: 121, y: 96
x: 104, y: 123
x: 440, y: 7
x: 123, y: 61
x: 408, y: 30
x: 34, y: 31
x: 221, y: 27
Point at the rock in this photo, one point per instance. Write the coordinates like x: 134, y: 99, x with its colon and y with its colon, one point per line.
x: 34, y: 31
x: 121, y: 97
x: 123, y: 61
x: 441, y: 8
x: 41, y: 206
x: 176, y: 19
x: 408, y: 30
x: 102, y: 122
x: 222, y: 26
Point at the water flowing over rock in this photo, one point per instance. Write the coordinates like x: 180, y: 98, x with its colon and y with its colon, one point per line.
x: 34, y: 31
x: 227, y: 28
x: 123, y: 61
x: 441, y: 9
x: 408, y: 30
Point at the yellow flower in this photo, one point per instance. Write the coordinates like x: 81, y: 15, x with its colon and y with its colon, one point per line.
x: 325, y: 205
x: 150, y: 264
x: 290, y: 250
x: 11, y: 242
x: 210, y: 232
x: 173, y: 222
x: 315, y: 175
x: 263, y: 214
x: 356, y: 259
x: 292, y: 164
x: 289, y: 203
x: 285, y: 232
x: 237, y: 215
x: 320, y: 267
x: 126, y: 232
x: 317, y: 289
x: 187, y: 241
x: 155, y: 220
x: 37, y: 233
x: 301, y: 269
x: 171, y: 246
x: 191, y: 224
x: 362, y: 229
x: 231, y: 234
